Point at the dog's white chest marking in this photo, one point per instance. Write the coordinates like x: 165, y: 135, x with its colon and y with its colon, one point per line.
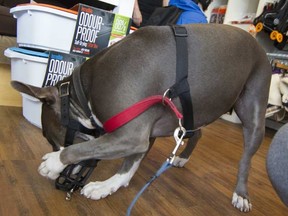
x: 98, y: 190
x: 97, y: 121
x: 87, y: 122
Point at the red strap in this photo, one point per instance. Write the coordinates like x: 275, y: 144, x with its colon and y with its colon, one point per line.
x: 133, y: 111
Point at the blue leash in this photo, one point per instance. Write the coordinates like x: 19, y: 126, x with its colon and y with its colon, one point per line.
x: 165, y: 166
x: 179, y: 134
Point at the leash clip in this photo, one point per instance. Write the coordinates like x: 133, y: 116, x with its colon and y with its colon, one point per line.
x: 179, y: 134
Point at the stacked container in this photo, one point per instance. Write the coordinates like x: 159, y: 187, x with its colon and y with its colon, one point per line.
x: 40, y: 28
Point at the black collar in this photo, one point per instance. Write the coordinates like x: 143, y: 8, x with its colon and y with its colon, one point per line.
x: 64, y: 91
x: 73, y: 125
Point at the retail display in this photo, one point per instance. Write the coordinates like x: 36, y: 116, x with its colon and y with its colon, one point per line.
x: 46, y: 33
x: 30, y: 67
x: 218, y: 14
x: 274, y: 20
x: 52, y: 27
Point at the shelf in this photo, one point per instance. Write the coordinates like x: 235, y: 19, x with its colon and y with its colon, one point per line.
x: 275, y: 125
x: 236, y: 10
x: 124, y: 7
x: 111, y: 2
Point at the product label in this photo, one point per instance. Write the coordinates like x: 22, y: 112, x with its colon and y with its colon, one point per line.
x: 218, y: 15
x: 92, y: 32
x: 60, y: 65
x: 120, y: 28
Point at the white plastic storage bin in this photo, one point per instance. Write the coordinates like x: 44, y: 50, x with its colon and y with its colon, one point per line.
x: 29, y: 67
x: 32, y: 109
x: 45, y: 27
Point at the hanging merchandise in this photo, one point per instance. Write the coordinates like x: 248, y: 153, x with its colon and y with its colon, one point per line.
x: 218, y: 14
x: 274, y: 20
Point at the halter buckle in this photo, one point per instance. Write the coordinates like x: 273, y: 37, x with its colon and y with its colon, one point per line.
x: 64, y: 89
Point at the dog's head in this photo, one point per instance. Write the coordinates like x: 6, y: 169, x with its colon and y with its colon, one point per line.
x: 55, y: 133
x: 51, y: 115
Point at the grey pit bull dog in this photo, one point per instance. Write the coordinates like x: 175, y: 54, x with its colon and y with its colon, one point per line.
x: 227, y: 68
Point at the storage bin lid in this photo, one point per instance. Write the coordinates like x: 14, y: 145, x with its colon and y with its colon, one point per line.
x: 43, y: 54
x: 44, y: 8
x: 16, y: 52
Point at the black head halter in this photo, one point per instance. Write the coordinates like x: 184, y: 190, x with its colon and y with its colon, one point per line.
x: 74, y: 176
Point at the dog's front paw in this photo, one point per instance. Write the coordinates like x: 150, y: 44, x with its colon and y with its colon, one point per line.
x: 180, y: 162
x: 241, y: 203
x: 97, y: 190
x: 51, y: 167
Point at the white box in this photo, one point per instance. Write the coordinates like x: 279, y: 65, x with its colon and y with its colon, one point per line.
x: 45, y: 27
x: 29, y: 68
x: 232, y: 118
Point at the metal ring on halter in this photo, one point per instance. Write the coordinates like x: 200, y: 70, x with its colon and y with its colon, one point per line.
x: 181, y: 126
x: 165, y: 95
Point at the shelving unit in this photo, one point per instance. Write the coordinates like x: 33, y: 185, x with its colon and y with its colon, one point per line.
x: 281, y: 117
x: 122, y: 7
x: 236, y: 10
x: 214, y: 4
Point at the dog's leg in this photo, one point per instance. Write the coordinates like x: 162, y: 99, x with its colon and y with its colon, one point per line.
x: 119, y: 144
x: 250, y: 108
x: 100, y: 189
x: 184, y: 156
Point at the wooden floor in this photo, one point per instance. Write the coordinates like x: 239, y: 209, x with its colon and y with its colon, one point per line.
x: 204, y: 187
x: 8, y: 95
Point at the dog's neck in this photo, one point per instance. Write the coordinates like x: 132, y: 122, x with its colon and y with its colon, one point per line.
x: 80, y: 108
x: 78, y: 114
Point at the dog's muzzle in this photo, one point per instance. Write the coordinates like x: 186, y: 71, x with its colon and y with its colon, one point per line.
x: 74, y: 176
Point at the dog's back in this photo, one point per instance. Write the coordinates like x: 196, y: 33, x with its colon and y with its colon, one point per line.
x: 223, y: 61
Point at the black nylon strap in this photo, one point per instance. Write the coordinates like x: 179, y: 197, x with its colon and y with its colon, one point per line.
x: 181, y: 87
x: 80, y: 92
x: 64, y: 95
x: 71, y: 125
x: 69, y: 137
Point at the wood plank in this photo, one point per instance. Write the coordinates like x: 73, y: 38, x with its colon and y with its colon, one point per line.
x: 8, y: 95
x: 203, y: 187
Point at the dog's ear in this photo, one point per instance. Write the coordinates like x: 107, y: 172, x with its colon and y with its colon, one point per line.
x: 46, y: 95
